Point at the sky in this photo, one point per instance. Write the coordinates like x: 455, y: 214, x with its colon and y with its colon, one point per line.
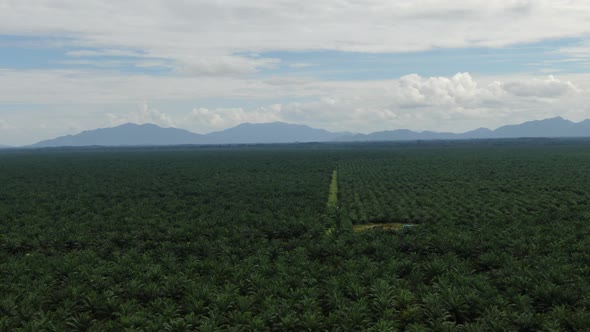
x: 342, y: 65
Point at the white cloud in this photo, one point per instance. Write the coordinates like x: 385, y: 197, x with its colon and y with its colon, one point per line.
x: 578, y: 52
x: 416, y: 90
x: 550, y: 87
x: 97, y: 63
x: 550, y: 70
x: 204, y: 119
x: 145, y: 114
x: 79, y: 86
x: 177, y: 30
x: 82, y: 100
x: 213, y: 50
x: 300, y: 65
x: 421, y: 103
x: 4, y: 125
x: 71, y: 86
x: 106, y: 52
x: 224, y: 65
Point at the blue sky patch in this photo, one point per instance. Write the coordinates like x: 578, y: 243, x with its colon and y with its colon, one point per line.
x: 38, y: 52
x: 332, y: 65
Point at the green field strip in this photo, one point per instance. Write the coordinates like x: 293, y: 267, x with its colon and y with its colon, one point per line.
x: 332, y: 203
x: 381, y: 226
x: 333, y: 195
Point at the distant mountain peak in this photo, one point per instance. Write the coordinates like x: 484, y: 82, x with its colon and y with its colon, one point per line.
x: 555, y: 119
x: 481, y: 129
x: 132, y: 134
x: 127, y: 134
x: 269, y: 132
x: 280, y: 132
x: 137, y: 125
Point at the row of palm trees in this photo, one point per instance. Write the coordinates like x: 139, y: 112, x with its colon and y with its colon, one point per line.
x: 235, y: 240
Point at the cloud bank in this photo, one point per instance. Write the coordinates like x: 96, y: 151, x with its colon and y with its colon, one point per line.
x: 435, y: 103
x: 203, y: 64
x: 212, y: 37
x: 456, y: 103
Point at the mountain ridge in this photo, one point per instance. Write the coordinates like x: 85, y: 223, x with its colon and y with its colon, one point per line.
x: 131, y: 134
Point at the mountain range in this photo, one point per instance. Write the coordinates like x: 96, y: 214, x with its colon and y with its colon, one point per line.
x: 278, y: 132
